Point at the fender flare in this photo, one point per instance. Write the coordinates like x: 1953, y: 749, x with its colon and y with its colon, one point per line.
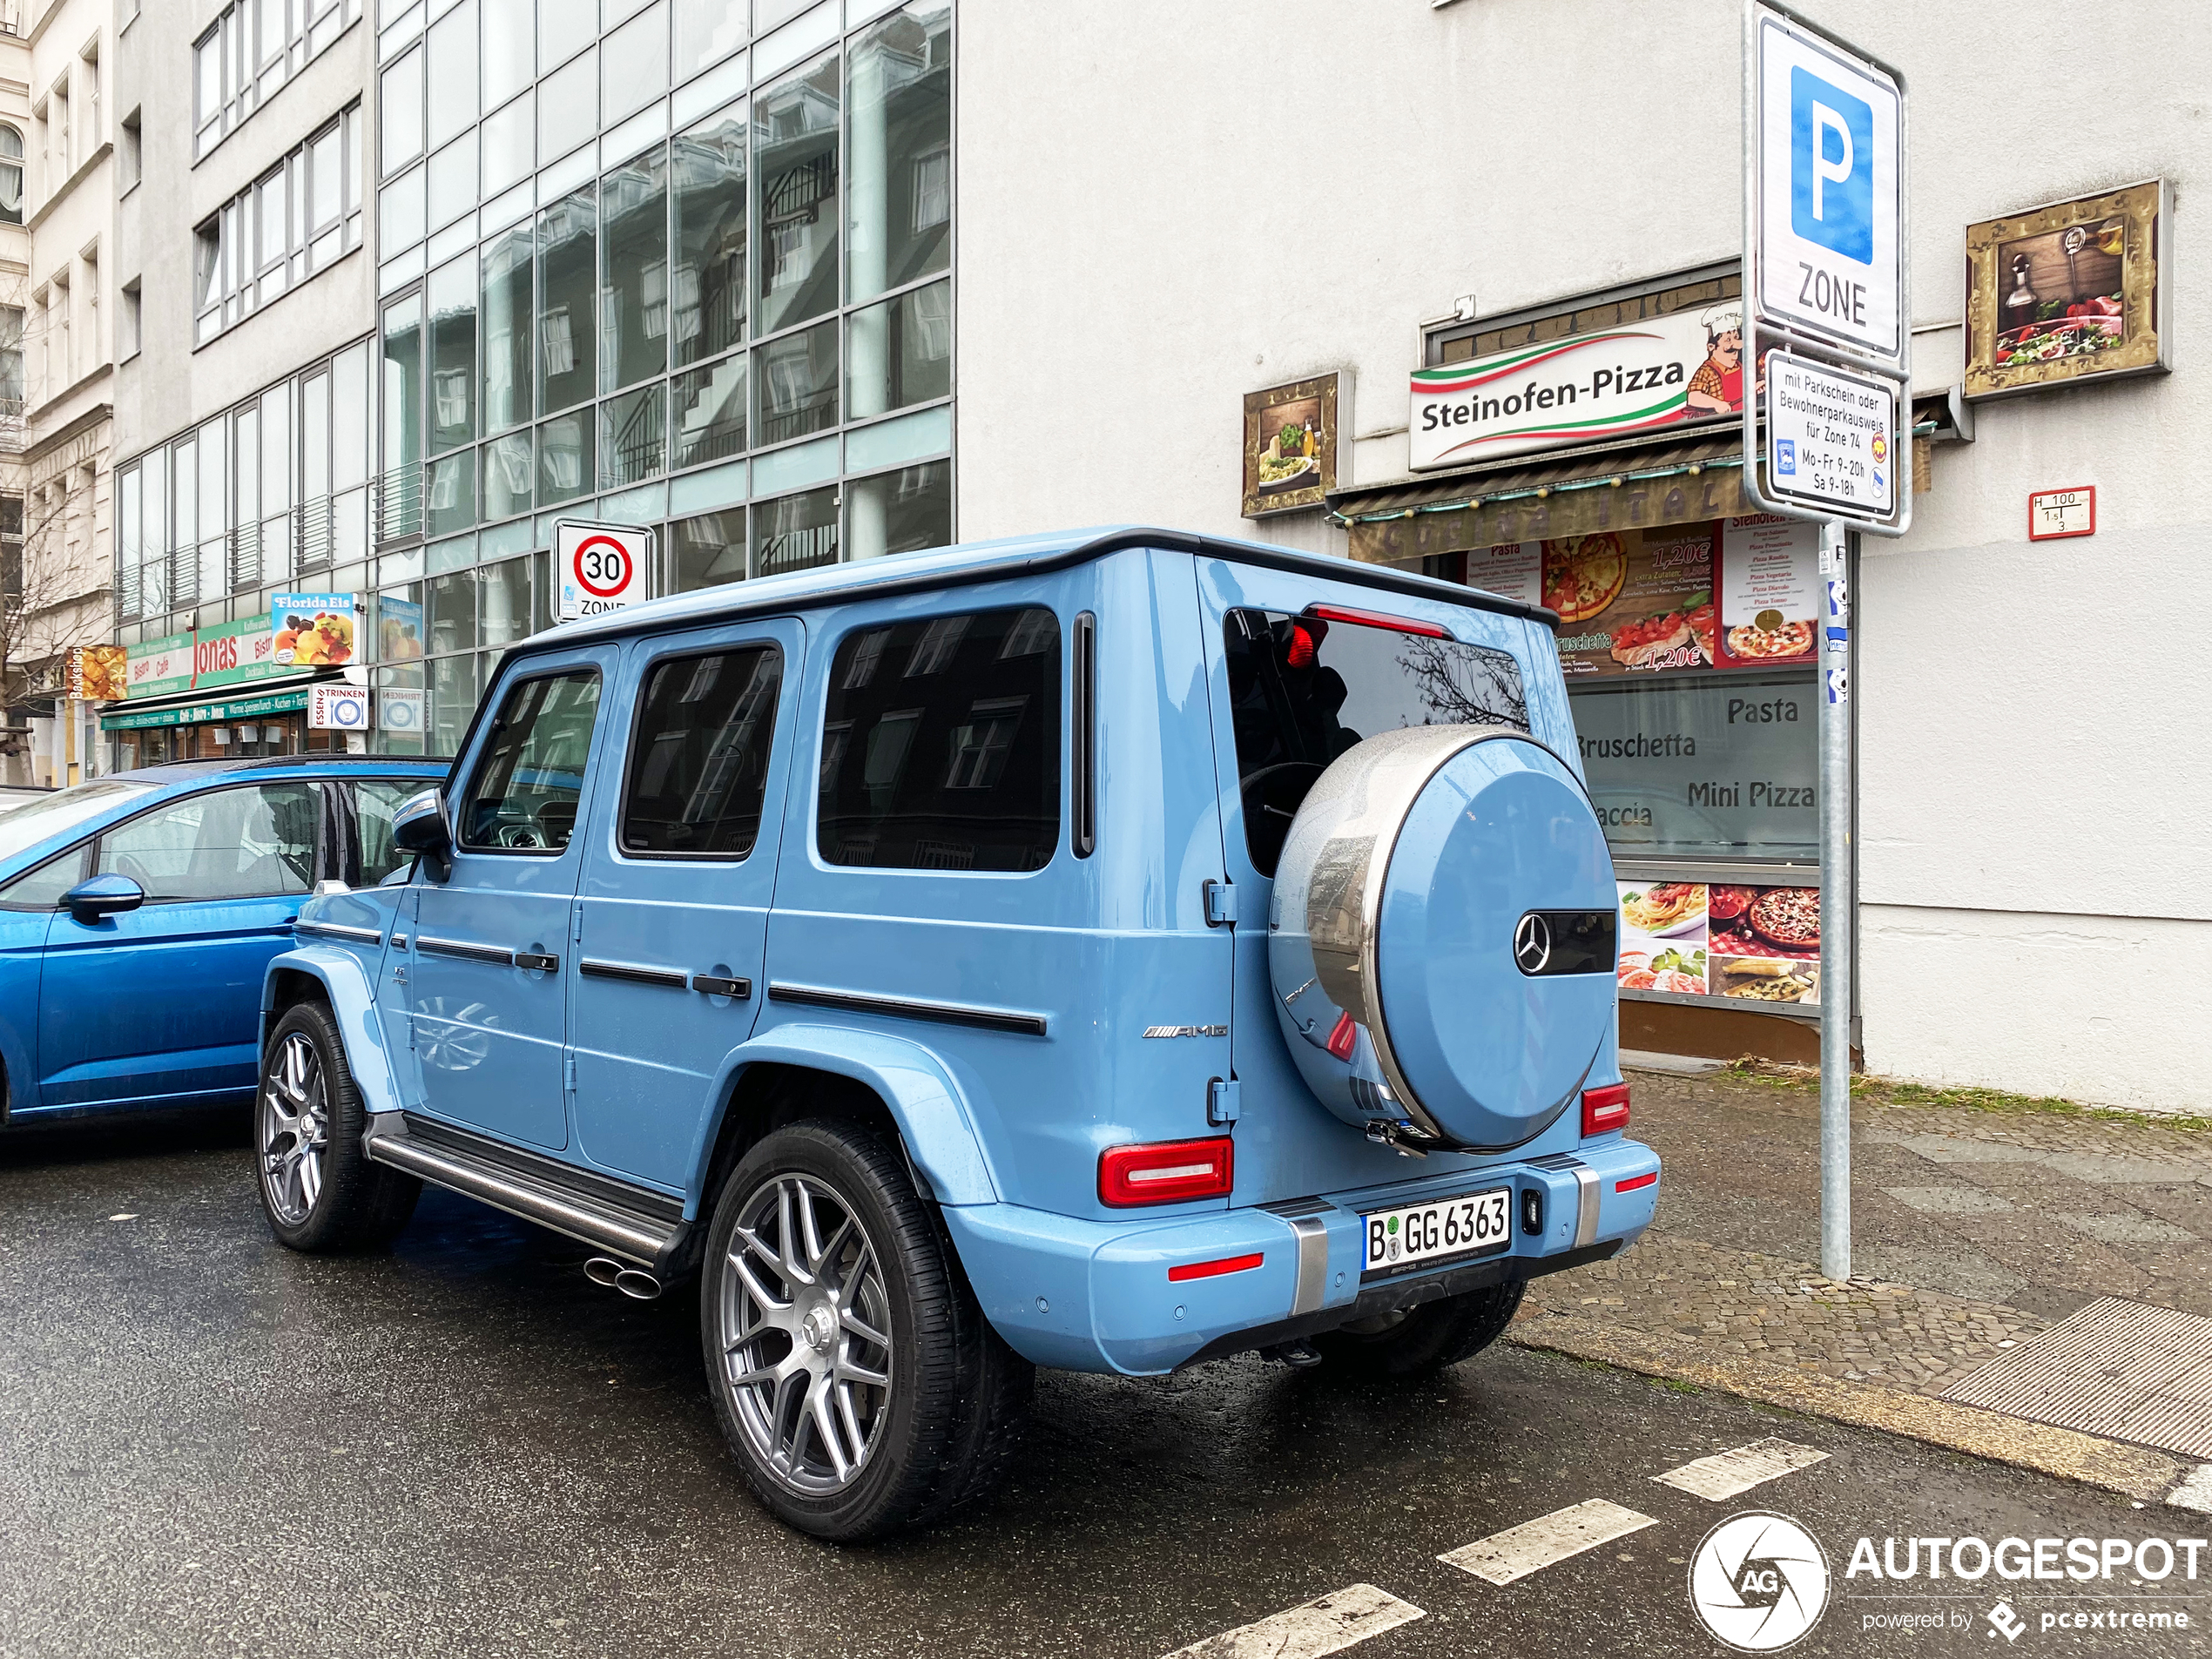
x: 929, y: 1108
x: 353, y: 1003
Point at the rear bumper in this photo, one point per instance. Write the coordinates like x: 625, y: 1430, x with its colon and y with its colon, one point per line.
x: 1082, y: 1295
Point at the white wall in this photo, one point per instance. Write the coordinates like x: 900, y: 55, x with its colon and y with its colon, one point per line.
x: 1163, y: 207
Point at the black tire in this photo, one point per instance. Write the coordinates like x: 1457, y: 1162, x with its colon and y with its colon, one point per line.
x: 1420, y: 1341
x: 351, y: 1204
x: 942, y: 1429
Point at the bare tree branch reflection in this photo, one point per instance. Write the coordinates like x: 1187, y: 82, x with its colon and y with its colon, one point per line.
x: 1465, y: 684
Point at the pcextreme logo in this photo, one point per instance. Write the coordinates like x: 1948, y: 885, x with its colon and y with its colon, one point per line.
x: 1759, y: 1582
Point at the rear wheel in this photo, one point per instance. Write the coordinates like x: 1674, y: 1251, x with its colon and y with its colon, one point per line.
x: 319, y: 1190
x: 852, y: 1371
x: 1416, y: 1341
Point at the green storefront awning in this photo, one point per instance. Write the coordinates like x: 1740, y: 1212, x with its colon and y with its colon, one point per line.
x: 233, y: 708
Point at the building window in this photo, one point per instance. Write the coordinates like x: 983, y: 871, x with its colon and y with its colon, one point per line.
x: 295, y: 221
x: 10, y: 176
x: 130, y: 154
x: 251, y: 50
x: 11, y: 381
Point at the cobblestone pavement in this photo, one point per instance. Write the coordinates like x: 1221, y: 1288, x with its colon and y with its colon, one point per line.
x: 1973, y: 1230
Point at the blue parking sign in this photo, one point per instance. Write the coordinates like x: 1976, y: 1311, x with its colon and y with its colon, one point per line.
x: 1831, y: 167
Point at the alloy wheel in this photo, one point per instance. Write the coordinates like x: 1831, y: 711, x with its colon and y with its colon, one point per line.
x: 295, y: 1130
x: 804, y: 1333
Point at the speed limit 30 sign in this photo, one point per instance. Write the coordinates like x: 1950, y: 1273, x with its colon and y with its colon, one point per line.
x: 598, y: 567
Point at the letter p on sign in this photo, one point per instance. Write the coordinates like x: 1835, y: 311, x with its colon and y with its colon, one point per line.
x: 1831, y: 167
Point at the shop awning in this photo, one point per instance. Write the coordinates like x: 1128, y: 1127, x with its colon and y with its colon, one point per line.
x: 187, y: 711
x: 1633, y: 484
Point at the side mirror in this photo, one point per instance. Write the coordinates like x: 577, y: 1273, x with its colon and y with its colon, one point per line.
x: 103, y: 896
x: 420, y: 826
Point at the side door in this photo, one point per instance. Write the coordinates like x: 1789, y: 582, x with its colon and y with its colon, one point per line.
x: 681, y: 870
x: 161, y: 1005
x: 484, y: 986
x: 26, y: 910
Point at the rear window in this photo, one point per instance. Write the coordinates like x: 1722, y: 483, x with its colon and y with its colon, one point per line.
x: 1303, y: 691
x: 941, y: 745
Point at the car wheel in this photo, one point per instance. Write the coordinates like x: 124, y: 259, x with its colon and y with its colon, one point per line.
x: 851, y: 1369
x: 1417, y: 1341
x: 319, y: 1190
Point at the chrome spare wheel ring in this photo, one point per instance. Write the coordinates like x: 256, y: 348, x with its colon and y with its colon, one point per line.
x: 805, y: 1327
x: 295, y: 1130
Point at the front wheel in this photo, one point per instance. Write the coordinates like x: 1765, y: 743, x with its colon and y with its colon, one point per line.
x: 319, y: 1191
x: 1417, y: 1341
x: 852, y: 1371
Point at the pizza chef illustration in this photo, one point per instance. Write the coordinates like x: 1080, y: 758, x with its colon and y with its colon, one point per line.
x: 1717, y: 387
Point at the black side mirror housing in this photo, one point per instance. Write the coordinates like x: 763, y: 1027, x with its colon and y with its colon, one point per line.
x: 102, y: 896
x: 421, y: 827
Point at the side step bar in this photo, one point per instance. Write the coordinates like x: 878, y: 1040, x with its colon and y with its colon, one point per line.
x: 632, y: 1222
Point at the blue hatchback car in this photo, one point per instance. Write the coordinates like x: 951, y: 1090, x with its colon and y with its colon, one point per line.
x: 138, y: 912
x: 1108, y: 951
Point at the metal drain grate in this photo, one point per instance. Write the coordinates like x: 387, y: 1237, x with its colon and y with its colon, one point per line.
x: 2117, y: 1368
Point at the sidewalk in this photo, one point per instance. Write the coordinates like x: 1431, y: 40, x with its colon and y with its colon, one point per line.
x: 1974, y: 1230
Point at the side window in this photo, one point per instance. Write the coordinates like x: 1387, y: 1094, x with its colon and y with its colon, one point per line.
x: 244, y: 843
x: 524, y: 797
x: 698, y: 765
x: 375, y: 801
x: 941, y: 745
x: 42, y: 888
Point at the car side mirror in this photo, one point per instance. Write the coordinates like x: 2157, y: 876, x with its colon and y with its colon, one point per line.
x: 420, y: 825
x: 103, y: 896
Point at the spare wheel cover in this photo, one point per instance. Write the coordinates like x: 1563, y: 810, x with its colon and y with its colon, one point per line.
x: 1403, y: 884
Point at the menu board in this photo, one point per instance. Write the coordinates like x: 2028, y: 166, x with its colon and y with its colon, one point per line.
x: 1643, y: 601
x: 1695, y: 939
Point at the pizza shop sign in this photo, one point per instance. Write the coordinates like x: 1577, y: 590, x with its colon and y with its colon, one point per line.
x: 1663, y: 371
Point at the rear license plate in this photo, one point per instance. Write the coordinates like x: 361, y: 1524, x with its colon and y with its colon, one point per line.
x: 1423, y: 1234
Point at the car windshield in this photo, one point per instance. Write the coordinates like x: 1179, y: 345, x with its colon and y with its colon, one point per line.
x: 57, y: 815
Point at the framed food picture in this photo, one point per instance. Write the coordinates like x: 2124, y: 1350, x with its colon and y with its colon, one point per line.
x: 1291, y: 444
x: 2076, y: 290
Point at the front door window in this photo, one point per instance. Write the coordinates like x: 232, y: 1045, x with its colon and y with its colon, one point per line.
x: 524, y: 798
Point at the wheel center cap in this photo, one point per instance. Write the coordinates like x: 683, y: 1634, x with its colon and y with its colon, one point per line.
x: 819, y: 1328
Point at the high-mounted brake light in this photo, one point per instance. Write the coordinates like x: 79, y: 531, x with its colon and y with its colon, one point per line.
x: 1378, y: 619
x: 1166, y: 1172
x: 1604, y: 1109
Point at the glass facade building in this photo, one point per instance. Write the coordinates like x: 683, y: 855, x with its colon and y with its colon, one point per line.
x: 683, y: 263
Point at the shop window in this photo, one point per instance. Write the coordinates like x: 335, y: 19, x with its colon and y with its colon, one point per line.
x: 941, y: 745
x: 698, y: 763
x: 225, y: 844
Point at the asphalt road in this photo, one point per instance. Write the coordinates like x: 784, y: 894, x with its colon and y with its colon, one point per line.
x: 210, y: 1446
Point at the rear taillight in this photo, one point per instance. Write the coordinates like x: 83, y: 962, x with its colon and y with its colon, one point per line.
x: 1605, y: 1109
x: 1344, y: 1039
x: 1166, y: 1172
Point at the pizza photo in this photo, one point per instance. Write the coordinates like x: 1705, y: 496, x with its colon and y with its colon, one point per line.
x: 1755, y: 643
x: 1769, y: 922
x: 1789, y: 917
x: 1584, y: 574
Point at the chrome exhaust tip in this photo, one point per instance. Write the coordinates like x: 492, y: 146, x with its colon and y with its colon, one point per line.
x: 638, y: 1284
x: 606, y: 1272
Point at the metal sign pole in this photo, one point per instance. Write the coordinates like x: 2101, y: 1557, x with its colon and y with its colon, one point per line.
x: 1835, y: 904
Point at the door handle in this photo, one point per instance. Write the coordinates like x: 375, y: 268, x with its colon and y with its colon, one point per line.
x: 537, y: 962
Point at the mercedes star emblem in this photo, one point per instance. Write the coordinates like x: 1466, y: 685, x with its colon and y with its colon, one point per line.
x: 1531, y: 943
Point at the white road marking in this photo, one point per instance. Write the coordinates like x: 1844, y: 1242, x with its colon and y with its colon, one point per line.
x: 1535, y: 1545
x: 128, y: 1216
x: 1326, y: 1624
x: 2195, y: 1490
x: 1725, y: 1473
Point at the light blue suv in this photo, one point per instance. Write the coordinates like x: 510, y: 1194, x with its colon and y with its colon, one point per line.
x: 1108, y: 951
